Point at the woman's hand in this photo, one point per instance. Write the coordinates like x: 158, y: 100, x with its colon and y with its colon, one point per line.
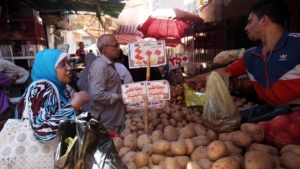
x: 79, y: 99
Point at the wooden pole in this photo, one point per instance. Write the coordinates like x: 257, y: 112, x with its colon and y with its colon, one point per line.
x: 146, y: 103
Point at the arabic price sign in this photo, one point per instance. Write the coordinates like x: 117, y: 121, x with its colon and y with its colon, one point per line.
x: 133, y: 93
x: 158, y: 90
x: 178, y: 59
x: 151, y: 105
x: 139, y: 51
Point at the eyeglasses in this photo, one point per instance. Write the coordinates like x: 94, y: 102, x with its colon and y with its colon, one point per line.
x: 115, y: 46
x: 63, y: 65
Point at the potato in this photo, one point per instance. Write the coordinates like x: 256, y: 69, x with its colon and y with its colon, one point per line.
x: 225, y: 136
x: 147, y: 149
x: 262, y: 147
x: 205, y: 163
x: 131, y: 165
x: 290, y: 160
x: 133, y: 128
x: 226, y: 163
x: 190, y: 146
x: 143, y: 140
x: 172, y: 122
x: 140, y: 126
x: 171, y: 163
x: 187, y: 132
x: 291, y: 148
x: 211, y: 135
x: 125, y: 132
x: 216, y: 149
x: 199, y: 153
x: 201, y: 140
x: 233, y: 148
x: 255, y: 131
x: 258, y: 160
x: 177, y: 116
x: 128, y: 157
x: 178, y: 148
x: 200, y: 129
x: 241, y: 139
x: 157, y: 158
x: 156, y: 167
x: 144, y: 168
x: 123, y: 151
x: 239, y: 158
x: 182, y: 160
x: 141, y: 159
x: 193, y: 165
x: 161, y: 146
x: 171, y: 133
x: 157, y: 135
x: 118, y: 142
x: 130, y: 141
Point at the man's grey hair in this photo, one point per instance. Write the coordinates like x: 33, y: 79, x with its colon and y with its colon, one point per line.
x: 103, y: 39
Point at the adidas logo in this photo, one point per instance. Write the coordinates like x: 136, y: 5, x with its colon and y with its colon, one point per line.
x: 283, y: 57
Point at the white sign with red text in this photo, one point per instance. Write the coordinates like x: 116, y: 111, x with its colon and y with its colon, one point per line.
x: 157, y: 91
x: 177, y: 60
x: 139, y: 51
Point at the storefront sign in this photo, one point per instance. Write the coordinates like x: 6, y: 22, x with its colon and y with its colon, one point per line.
x: 139, y: 51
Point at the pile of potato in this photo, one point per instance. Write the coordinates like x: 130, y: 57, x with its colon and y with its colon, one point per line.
x: 177, y: 95
x: 177, y: 139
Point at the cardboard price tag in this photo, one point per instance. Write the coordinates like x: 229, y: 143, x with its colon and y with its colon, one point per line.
x: 134, y: 93
x: 177, y: 60
x: 139, y: 51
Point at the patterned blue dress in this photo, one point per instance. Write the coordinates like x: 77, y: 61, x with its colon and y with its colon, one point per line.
x: 44, y: 112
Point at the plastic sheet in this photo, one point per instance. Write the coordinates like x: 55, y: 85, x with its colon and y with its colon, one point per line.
x: 219, y: 111
x: 192, y: 97
x: 93, y: 148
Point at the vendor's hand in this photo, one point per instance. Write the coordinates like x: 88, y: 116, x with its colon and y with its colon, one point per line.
x: 79, y: 99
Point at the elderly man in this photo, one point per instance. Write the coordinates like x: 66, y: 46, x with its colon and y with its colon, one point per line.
x: 105, y: 86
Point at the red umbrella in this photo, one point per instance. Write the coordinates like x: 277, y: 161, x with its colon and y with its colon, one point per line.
x: 168, y: 24
x: 162, y: 28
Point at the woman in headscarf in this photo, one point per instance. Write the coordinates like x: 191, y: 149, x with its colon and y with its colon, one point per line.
x: 50, y: 73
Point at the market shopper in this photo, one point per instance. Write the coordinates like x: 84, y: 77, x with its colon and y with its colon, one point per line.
x: 82, y: 82
x: 50, y: 73
x: 105, y: 86
x: 5, y: 82
x: 274, y: 65
x: 10, y: 69
x: 80, y: 52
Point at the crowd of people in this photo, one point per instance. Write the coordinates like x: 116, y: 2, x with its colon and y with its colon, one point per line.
x: 272, y: 66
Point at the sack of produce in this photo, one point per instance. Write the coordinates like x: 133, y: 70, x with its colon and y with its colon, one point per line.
x: 282, y: 130
x: 219, y: 111
x: 228, y: 56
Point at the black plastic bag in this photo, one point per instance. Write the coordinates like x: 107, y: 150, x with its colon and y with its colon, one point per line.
x: 93, y: 148
x: 259, y: 113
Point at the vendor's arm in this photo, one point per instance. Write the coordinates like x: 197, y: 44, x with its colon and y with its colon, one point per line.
x: 98, y: 79
x: 237, y: 68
